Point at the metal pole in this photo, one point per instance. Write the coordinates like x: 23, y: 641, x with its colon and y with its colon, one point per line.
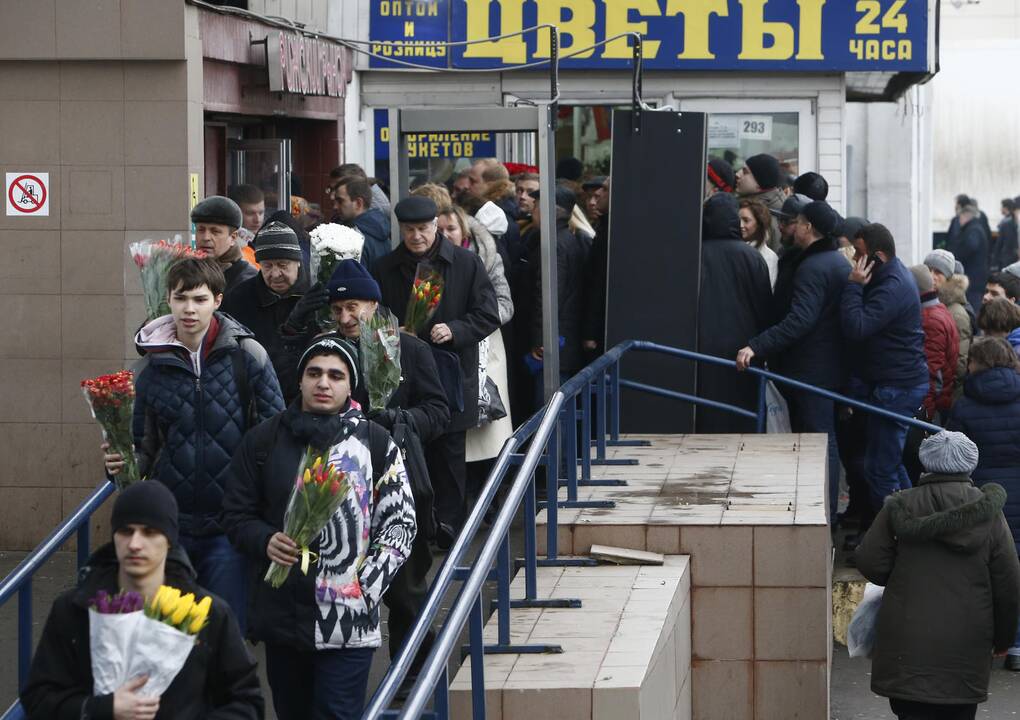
x: 24, y: 632
x: 530, y: 542
x: 762, y: 404
x: 614, y: 412
x: 503, y: 591
x: 400, y: 169
x: 552, y: 493
x: 547, y: 229
x: 600, y: 416
x: 569, y: 433
x: 477, y: 661
x: 441, y: 696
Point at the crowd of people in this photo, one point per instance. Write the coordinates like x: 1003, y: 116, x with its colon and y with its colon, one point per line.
x: 244, y: 374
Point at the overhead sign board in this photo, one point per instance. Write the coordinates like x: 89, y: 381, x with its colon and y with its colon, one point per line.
x: 753, y: 35
x: 305, y: 65
x: 434, y: 145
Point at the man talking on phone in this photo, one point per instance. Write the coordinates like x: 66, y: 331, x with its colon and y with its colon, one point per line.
x: 881, y: 315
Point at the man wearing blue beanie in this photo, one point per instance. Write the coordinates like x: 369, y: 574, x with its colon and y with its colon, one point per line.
x: 419, y: 406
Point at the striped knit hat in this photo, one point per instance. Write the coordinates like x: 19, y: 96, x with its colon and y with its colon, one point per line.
x: 277, y: 241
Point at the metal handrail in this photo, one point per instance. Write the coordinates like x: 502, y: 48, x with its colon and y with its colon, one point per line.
x: 467, y: 606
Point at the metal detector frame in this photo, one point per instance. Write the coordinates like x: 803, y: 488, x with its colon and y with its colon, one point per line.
x: 539, y: 118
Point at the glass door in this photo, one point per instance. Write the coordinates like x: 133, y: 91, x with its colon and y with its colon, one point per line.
x: 265, y: 164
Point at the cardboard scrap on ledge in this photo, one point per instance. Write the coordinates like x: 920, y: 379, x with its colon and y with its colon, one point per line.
x: 624, y: 556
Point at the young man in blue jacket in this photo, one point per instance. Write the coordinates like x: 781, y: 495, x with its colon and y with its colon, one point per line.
x: 203, y: 381
x: 881, y: 313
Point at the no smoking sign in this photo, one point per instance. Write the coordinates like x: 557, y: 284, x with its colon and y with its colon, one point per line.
x: 28, y: 194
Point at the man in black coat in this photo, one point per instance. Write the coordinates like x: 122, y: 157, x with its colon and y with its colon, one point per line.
x: 277, y: 304
x: 970, y: 247
x: 807, y: 343
x: 594, y: 320
x: 354, y: 296
x: 571, y: 256
x: 733, y: 305
x: 467, y: 313
x: 218, y: 680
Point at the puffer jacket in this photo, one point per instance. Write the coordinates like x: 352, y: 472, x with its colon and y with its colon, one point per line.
x: 953, y: 295
x: 189, y: 421
x: 989, y: 414
x: 952, y: 590
x: 368, y: 538
x: 941, y: 348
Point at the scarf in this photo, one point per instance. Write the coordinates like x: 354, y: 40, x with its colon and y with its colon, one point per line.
x: 231, y: 256
x: 318, y: 431
x: 409, y: 262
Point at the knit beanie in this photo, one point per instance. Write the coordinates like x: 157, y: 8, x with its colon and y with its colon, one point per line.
x: 720, y: 174
x: 351, y: 281
x: 277, y: 241
x: 941, y: 260
x: 149, y: 503
x: 949, y: 453
x: 923, y: 278
x: 765, y: 169
x: 813, y: 185
x: 217, y: 210
x: 332, y: 344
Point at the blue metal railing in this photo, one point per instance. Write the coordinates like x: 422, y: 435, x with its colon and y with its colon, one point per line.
x: 551, y: 429
x: 20, y: 580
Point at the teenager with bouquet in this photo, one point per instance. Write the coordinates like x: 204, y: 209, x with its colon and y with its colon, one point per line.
x: 203, y: 381
x: 321, y: 626
x: 417, y: 400
x: 218, y: 680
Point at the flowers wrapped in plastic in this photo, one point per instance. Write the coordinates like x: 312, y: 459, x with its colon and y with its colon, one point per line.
x: 331, y: 243
x: 154, y: 259
x: 379, y: 348
x: 128, y: 640
x: 318, y: 491
x: 112, y: 399
x: 426, y: 293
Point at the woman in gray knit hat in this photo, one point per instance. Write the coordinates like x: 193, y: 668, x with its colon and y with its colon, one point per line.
x: 945, y: 555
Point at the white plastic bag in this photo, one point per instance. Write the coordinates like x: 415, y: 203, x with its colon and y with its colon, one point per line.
x: 159, y: 651
x: 860, y: 634
x: 110, y: 639
x: 777, y: 414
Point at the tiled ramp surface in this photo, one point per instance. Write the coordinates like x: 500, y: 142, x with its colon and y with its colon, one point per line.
x: 626, y: 652
x: 750, y: 512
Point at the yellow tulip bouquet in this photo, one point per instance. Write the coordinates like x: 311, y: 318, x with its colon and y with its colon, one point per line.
x: 154, y: 641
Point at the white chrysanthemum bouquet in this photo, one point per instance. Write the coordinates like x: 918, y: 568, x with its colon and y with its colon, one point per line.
x: 331, y: 243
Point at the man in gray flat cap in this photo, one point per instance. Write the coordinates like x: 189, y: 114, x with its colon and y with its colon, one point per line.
x: 217, y: 220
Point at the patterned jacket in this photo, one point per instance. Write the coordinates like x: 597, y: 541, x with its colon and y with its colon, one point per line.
x: 188, y: 417
x: 336, y: 604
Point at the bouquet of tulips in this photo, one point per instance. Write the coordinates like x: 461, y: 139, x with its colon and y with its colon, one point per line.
x: 154, y: 259
x: 129, y: 638
x: 379, y: 348
x: 112, y: 400
x: 426, y: 292
x: 331, y: 243
x: 317, y: 493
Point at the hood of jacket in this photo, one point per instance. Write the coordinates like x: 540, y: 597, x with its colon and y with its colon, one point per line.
x: 959, y: 514
x: 372, y: 223
x: 720, y: 218
x: 100, y: 572
x: 954, y: 290
x: 160, y: 335
x: 995, y: 386
x: 493, y: 218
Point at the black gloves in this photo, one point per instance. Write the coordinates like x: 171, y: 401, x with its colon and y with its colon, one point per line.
x: 311, y: 302
x: 384, y: 417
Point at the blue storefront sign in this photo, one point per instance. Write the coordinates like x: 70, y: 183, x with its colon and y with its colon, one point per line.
x: 410, y: 31
x: 752, y: 35
x: 434, y: 145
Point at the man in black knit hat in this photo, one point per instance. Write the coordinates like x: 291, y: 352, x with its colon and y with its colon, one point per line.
x: 219, y: 681
x: 759, y: 179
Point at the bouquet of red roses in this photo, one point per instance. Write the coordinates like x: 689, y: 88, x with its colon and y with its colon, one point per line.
x: 426, y: 292
x: 112, y: 400
x: 154, y: 260
x: 318, y: 491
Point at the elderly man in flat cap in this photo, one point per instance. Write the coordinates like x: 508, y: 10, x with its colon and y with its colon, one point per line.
x: 217, y: 220
x: 466, y: 314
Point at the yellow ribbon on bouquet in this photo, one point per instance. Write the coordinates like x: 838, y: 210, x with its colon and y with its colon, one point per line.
x: 307, y: 558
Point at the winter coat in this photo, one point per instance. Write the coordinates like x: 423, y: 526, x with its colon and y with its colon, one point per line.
x: 570, y: 260
x: 376, y: 228
x: 264, y: 312
x: 884, y: 318
x: 953, y: 296
x: 482, y: 242
x: 596, y: 269
x: 189, y: 420
x: 1014, y: 340
x: 218, y: 680
x: 1005, y: 249
x: 336, y: 605
x: 941, y: 349
x: 807, y: 343
x: 468, y: 306
x: 420, y: 393
x: 733, y: 305
x: 235, y: 269
x: 952, y: 590
x: 772, y: 199
x: 989, y: 414
x: 970, y: 247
